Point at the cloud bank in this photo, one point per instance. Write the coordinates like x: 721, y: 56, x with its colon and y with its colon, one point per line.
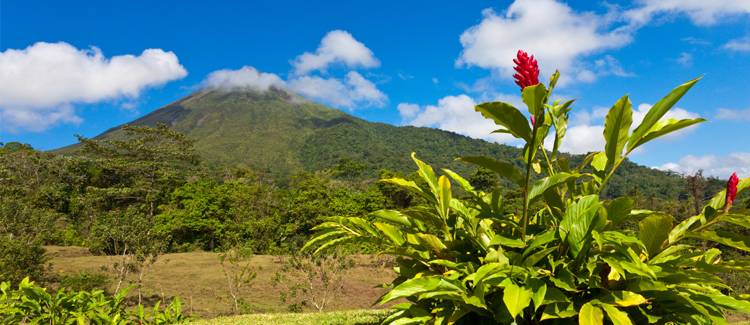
x: 39, y: 84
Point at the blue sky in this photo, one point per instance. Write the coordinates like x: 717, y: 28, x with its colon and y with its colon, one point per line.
x: 81, y: 67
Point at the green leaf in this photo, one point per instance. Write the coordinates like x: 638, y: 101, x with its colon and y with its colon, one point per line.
x: 665, y: 127
x: 516, y: 299
x: 507, y: 116
x: 392, y: 216
x: 559, y: 310
x: 616, y: 129
x: 465, y: 184
x: 392, y: 232
x: 416, y: 286
x: 654, y: 231
x: 617, y: 316
x: 627, y: 299
x: 727, y: 238
x: 428, y: 175
x: 533, y: 97
x: 657, y: 112
x: 619, y: 209
x: 431, y: 241
x: 731, y: 303
x: 579, y: 220
x: 590, y: 315
x: 444, y: 196
x: 503, y: 168
x: 544, y: 184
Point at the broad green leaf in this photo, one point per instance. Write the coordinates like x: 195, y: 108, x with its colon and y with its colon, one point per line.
x: 516, y: 299
x: 657, y: 112
x: 544, y: 184
x: 408, y: 185
x: 324, y: 237
x: 427, y: 173
x: 507, y: 116
x: 416, y: 286
x: 503, y: 168
x: 590, y: 315
x: 465, y: 184
x: 665, y: 127
x: 654, y: 231
x: 392, y: 232
x: 507, y: 242
x: 599, y: 161
x: 431, y: 241
x: 616, y: 129
x: 679, y: 231
x: 731, y: 303
x: 533, y: 97
x: 444, y: 196
x: 737, y: 219
x: 393, y: 216
x: 578, y: 221
x: 539, y: 292
x: 727, y: 238
x: 619, y: 209
x: 559, y: 310
x: 617, y: 316
x: 627, y: 299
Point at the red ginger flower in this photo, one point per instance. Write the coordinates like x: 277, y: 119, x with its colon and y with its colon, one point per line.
x: 731, y: 190
x: 527, y: 70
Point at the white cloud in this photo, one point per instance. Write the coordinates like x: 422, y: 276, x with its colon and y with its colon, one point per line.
x: 353, y: 91
x: 685, y: 59
x: 455, y: 114
x: 701, y: 12
x: 712, y: 165
x: 738, y: 45
x: 407, y: 111
x: 585, y: 133
x: 245, y: 77
x: 39, y: 83
x: 558, y: 36
x: 733, y: 114
x: 337, y: 46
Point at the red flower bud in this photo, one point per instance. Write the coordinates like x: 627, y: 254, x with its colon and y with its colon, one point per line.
x: 527, y: 70
x: 533, y: 121
x: 731, y: 190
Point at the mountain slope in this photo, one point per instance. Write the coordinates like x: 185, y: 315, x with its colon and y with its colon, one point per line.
x: 282, y: 134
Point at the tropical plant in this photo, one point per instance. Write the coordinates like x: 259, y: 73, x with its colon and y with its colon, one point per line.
x: 465, y: 258
x: 30, y: 303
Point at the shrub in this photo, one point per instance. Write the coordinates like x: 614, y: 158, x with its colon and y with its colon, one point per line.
x: 84, y: 281
x: 30, y: 303
x: 565, y: 257
x: 20, y: 258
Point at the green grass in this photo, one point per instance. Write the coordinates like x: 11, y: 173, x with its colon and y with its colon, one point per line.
x: 351, y: 317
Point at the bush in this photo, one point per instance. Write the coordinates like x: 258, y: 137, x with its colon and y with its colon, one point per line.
x: 21, y: 258
x: 30, y: 303
x: 565, y: 256
x: 84, y: 281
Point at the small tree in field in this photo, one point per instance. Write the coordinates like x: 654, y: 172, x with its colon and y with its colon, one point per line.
x: 565, y: 257
x: 312, y: 281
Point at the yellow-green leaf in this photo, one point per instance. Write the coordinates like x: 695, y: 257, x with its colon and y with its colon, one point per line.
x: 616, y: 129
x: 590, y: 315
x: 516, y: 299
x: 617, y: 316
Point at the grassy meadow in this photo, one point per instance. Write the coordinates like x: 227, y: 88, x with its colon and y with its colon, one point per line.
x: 198, y: 280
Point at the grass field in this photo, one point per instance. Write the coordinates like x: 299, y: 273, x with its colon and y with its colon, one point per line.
x: 351, y: 317
x: 198, y: 280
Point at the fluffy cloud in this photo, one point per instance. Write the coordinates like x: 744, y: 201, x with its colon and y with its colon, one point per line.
x: 733, y: 114
x: 337, y: 46
x: 586, y: 131
x: 39, y: 84
x: 455, y: 114
x: 712, y: 165
x: 701, y: 12
x: 353, y: 91
x: 245, y: 77
x: 738, y: 45
x: 557, y: 35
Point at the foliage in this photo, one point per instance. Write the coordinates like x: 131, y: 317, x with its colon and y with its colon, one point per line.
x: 312, y: 281
x: 565, y: 257
x: 349, y: 317
x: 21, y: 258
x: 30, y: 303
x: 84, y: 281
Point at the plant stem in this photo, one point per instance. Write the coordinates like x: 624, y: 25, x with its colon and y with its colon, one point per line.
x: 532, y: 150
